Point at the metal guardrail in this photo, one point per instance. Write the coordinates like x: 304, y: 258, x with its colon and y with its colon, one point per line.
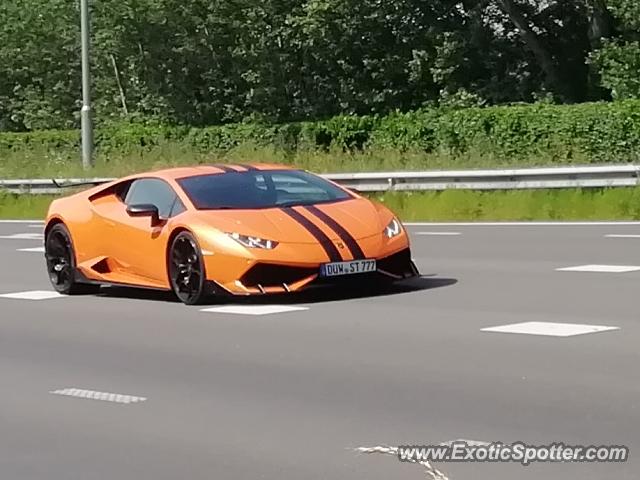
x: 46, y: 186
x: 527, y: 178
x: 510, y: 179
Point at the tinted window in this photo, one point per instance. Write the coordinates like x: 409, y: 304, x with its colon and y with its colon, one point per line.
x: 260, y: 189
x: 155, y: 192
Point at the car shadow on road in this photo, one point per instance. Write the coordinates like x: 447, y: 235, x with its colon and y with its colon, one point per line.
x: 134, y: 293
x: 321, y: 294
x: 337, y: 293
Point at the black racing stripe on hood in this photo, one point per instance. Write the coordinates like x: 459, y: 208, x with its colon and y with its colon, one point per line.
x: 342, y: 232
x: 326, y: 243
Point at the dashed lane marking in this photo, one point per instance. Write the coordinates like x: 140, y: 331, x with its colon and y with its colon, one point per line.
x: 32, y: 295
x: 35, y: 249
x: 601, y: 268
x: 23, y: 236
x: 550, y: 329
x: 102, y: 396
x: 254, y: 309
x: 617, y: 235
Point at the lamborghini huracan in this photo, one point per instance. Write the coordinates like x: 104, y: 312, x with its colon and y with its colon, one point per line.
x: 222, y: 229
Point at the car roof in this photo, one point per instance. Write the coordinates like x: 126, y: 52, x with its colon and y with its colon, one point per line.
x: 213, y: 169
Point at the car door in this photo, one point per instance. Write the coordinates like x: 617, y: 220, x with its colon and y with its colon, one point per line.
x: 138, y: 244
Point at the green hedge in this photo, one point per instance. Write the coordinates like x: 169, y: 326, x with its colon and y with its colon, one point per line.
x: 595, y: 132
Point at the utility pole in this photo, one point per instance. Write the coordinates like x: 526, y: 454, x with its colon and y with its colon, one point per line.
x: 85, y: 113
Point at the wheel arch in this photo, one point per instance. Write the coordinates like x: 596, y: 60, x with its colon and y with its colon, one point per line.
x: 52, y: 223
x: 174, y: 233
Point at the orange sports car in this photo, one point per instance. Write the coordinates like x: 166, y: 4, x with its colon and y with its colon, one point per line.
x: 211, y: 230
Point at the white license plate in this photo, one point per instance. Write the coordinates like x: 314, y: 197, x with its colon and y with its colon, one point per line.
x: 347, y: 268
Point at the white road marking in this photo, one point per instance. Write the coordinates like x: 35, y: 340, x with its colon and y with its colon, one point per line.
x: 23, y: 236
x: 438, y: 234
x: 601, y: 268
x: 254, y: 309
x: 32, y: 295
x: 35, y: 249
x: 37, y: 226
x: 550, y: 329
x: 102, y: 396
x: 615, y: 235
x: 517, y: 224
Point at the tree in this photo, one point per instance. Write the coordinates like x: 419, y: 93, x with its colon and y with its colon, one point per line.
x: 39, y: 64
x: 618, y: 61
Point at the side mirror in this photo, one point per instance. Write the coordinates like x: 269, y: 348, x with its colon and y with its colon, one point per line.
x: 144, y: 210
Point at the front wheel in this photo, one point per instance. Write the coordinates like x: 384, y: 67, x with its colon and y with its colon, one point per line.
x: 186, y: 269
x: 61, y: 263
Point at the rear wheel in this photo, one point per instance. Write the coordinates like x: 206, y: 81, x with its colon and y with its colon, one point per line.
x: 186, y: 269
x: 61, y: 263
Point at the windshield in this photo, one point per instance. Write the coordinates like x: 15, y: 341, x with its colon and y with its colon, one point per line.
x: 260, y: 189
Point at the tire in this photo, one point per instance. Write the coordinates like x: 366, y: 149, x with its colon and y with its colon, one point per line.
x: 187, y: 275
x: 61, y: 263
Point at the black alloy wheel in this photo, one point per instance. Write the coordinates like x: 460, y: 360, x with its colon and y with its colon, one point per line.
x: 186, y: 269
x: 61, y: 263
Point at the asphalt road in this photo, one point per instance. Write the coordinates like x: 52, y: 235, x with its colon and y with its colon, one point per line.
x: 291, y: 395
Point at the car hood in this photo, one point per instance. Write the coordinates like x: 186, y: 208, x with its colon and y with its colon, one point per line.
x: 360, y: 217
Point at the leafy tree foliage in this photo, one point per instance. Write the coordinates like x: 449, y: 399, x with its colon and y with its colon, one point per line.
x: 202, y: 62
x: 619, y: 58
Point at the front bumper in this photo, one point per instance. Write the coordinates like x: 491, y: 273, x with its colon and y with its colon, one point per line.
x: 272, y: 278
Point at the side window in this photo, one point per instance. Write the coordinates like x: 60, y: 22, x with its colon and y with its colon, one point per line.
x: 122, y: 189
x: 178, y: 208
x: 155, y: 192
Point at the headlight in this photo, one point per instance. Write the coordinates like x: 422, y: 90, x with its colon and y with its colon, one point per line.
x: 393, y: 229
x: 253, y: 242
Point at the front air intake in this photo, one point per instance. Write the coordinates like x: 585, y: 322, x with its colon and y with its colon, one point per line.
x: 272, y: 275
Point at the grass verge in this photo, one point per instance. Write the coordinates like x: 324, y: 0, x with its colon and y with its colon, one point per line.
x: 452, y: 205
x: 42, y: 163
x: 524, y: 205
x: 17, y: 207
